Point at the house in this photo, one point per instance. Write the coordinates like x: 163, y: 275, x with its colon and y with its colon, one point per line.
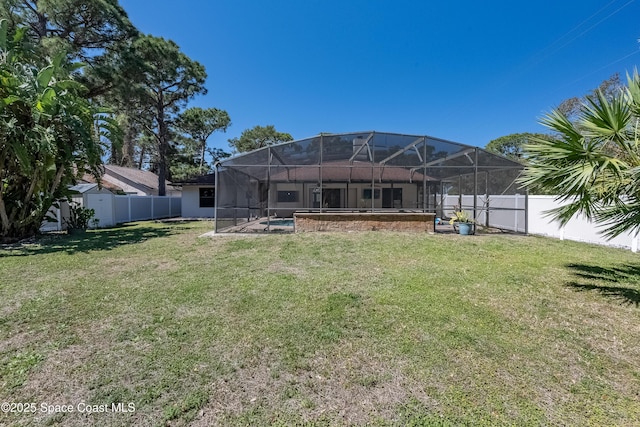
x: 352, y: 172
x: 362, y: 172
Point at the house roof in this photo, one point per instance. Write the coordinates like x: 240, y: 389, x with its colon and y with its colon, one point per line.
x: 141, y: 177
x: 88, y: 178
x: 209, y: 179
x: 144, y: 180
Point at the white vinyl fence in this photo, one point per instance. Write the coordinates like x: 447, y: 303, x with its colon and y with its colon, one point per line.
x: 140, y: 208
x: 111, y: 209
x: 579, y: 228
x: 507, y: 213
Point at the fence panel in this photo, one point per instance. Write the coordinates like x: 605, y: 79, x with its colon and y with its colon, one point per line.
x: 140, y: 208
x: 122, y: 209
x: 578, y: 228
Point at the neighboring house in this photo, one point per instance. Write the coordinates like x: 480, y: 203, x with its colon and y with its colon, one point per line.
x: 133, y: 181
x: 198, y: 197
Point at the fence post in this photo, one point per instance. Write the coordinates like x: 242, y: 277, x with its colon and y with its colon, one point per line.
x: 486, y: 211
x: 129, y: 206
x: 516, y: 211
x: 526, y: 211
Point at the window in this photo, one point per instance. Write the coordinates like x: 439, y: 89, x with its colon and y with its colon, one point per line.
x: 287, y: 196
x: 207, y: 197
x: 366, y: 193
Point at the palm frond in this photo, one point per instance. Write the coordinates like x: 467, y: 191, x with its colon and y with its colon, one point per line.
x: 593, y: 165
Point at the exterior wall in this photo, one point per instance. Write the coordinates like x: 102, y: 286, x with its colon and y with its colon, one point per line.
x: 104, y: 207
x: 60, y: 215
x: 191, y: 202
x: 352, y: 196
x: 344, y: 221
x: 287, y: 208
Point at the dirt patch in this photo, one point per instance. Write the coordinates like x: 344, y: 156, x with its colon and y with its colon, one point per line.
x: 346, y: 385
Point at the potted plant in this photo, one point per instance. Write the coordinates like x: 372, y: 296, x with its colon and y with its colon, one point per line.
x: 79, y: 218
x: 464, y: 221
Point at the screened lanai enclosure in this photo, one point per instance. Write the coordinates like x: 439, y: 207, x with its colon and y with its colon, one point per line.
x: 367, y: 172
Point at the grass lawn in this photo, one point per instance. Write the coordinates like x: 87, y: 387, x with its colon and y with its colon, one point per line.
x: 373, y: 328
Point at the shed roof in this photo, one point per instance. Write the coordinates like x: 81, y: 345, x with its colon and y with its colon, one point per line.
x: 83, y: 188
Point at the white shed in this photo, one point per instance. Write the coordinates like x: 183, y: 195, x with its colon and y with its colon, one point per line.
x: 91, y: 196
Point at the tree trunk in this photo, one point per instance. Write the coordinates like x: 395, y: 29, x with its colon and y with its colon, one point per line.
x: 4, y: 218
x: 203, y: 146
x: 163, y: 135
x: 116, y: 154
x: 141, y: 160
x: 128, y: 150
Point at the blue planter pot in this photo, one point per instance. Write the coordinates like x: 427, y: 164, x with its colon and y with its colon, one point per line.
x: 465, y: 228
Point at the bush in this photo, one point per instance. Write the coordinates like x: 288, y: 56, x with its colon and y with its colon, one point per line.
x: 79, y: 217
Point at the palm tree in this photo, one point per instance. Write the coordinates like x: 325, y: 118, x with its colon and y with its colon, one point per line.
x: 593, y: 163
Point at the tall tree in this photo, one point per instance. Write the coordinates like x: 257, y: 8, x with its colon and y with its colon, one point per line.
x: 185, y: 158
x: 511, y: 146
x: 200, y: 123
x: 164, y: 80
x: 258, y: 137
x: 92, y: 31
x: 609, y: 88
x: 593, y: 163
x: 47, y: 133
x: 125, y: 154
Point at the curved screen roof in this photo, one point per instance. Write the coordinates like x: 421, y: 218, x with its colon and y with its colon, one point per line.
x: 436, y: 158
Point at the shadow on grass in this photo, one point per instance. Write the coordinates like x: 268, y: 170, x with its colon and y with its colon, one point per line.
x: 92, y: 240
x: 593, y: 276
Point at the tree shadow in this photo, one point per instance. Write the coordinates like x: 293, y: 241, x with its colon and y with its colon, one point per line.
x: 593, y: 276
x: 91, y: 240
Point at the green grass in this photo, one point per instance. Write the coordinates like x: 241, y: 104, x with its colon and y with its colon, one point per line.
x: 319, y: 329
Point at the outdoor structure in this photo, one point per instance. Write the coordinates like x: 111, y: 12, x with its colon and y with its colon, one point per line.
x: 367, y: 173
x: 83, y: 195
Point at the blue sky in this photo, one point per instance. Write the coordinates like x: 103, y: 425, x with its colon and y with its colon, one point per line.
x: 466, y: 71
